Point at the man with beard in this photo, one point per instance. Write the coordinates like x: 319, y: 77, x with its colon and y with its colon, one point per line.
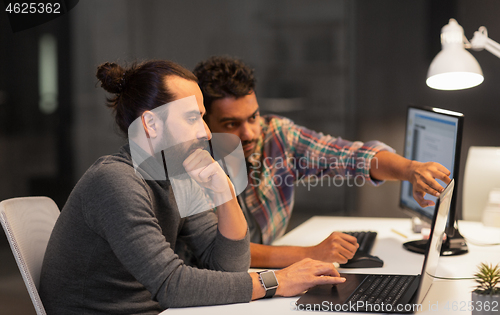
x: 181, y: 138
x: 275, y: 149
x: 112, y: 248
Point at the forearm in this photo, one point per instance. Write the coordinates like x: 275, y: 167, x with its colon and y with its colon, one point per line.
x: 298, y: 277
x: 232, y: 223
x: 198, y: 287
x: 266, y: 256
x: 386, y: 165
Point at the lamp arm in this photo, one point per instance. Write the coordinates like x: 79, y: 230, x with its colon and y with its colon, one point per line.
x: 482, y: 41
x: 493, y: 47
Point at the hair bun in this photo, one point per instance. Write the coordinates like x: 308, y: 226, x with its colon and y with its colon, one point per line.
x: 111, y: 76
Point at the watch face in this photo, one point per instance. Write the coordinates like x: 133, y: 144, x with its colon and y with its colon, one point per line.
x: 269, y: 279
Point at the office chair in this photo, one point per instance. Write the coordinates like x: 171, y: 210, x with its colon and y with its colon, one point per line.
x: 28, y: 223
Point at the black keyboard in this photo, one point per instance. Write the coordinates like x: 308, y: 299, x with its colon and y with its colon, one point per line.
x: 377, y: 289
x: 366, y: 239
x: 363, y: 258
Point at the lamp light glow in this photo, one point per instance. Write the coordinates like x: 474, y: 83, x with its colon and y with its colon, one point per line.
x: 454, y: 80
x: 454, y: 68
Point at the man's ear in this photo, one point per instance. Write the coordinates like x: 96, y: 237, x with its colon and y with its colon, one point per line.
x: 149, y: 123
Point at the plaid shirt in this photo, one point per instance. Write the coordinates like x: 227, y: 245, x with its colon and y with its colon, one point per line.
x: 286, y: 155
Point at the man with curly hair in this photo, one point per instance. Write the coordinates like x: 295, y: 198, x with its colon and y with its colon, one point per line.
x: 279, y: 153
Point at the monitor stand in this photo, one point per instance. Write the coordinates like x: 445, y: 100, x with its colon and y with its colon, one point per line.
x: 454, y: 245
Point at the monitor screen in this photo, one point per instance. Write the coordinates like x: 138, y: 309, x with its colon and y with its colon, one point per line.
x: 432, y: 134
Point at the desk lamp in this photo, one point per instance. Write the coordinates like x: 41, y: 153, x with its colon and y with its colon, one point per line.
x: 454, y: 68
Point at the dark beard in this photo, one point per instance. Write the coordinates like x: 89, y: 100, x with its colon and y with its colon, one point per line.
x: 175, y: 155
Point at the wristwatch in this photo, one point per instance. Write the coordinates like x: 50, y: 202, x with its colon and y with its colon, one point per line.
x: 269, y: 282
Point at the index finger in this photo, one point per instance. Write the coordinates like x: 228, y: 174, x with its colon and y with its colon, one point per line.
x: 329, y: 280
x: 434, y: 185
x: 442, y: 175
x: 443, y: 169
x: 326, y: 269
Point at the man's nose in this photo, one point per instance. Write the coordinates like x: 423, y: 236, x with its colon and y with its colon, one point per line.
x: 247, y: 132
x: 204, y: 132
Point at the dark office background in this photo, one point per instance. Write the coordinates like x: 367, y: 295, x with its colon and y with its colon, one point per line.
x: 347, y: 68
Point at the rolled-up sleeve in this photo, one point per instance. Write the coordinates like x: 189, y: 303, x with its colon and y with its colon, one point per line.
x: 314, y: 153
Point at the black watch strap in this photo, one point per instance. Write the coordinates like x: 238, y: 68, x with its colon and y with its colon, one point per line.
x: 270, y: 293
x: 269, y: 282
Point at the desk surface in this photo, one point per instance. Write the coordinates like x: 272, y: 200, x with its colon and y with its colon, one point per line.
x: 444, y: 297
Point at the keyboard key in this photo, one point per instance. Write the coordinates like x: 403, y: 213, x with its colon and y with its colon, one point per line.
x: 377, y: 289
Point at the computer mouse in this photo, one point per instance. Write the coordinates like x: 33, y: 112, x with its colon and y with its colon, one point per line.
x: 363, y: 261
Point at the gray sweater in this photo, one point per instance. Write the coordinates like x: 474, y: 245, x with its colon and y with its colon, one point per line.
x: 112, y: 249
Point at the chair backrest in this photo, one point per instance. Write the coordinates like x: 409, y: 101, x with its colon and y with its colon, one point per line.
x: 28, y: 223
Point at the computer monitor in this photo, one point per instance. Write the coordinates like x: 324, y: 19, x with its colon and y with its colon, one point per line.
x: 433, y: 134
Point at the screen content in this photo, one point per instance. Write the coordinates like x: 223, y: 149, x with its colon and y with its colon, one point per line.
x: 430, y: 136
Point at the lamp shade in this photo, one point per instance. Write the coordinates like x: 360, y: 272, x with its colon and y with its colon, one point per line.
x: 453, y: 68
